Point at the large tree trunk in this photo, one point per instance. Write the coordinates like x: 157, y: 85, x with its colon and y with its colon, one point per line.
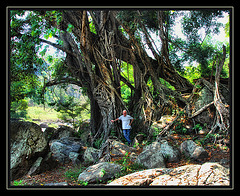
x: 95, y: 61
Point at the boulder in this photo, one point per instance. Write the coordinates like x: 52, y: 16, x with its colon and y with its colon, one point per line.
x: 213, y: 174
x: 114, y: 149
x: 120, y: 149
x: 140, y: 178
x: 27, y: 143
x: 100, y: 172
x: 35, y: 166
x: 194, y: 175
x: 156, y: 154
x: 91, y: 155
x: 48, y: 133
x: 184, y: 175
x: 207, y: 174
x: 204, y: 98
x: 61, y: 132
x: 169, y: 153
x: 62, y: 148
x: 190, y: 149
x: 75, y: 157
x: 151, y: 156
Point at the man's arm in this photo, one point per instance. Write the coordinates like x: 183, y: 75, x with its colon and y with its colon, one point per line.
x: 114, y: 120
x: 131, y: 122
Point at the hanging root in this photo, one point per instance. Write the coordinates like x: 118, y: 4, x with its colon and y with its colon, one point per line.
x: 222, y: 114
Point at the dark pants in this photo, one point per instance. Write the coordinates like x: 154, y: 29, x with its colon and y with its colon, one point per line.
x: 126, y: 133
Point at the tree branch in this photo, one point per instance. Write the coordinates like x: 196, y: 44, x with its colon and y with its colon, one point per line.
x: 127, y: 82
x: 62, y: 81
x: 58, y: 46
x: 201, y: 110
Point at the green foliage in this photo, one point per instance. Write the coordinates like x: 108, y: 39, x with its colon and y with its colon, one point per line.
x: 70, y: 110
x: 26, y: 27
x: 126, y: 72
x: 155, y: 133
x: 197, y: 19
x: 128, y: 165
x: 197, y: 127
x: 227, y: 27
x: 72, y: 174
x: 198, y: 27
x: 192, y: 72
x: 70, y: 28
x: 19, y: 109
x: 98, y: 143
x: 92, y: 26
x: 180, y: 128
x: 18, y: 183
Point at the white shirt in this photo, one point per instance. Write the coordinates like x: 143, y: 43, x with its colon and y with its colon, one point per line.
x: 125, y: 121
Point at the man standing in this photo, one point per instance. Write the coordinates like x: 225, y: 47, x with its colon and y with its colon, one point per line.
x: 126, y: 125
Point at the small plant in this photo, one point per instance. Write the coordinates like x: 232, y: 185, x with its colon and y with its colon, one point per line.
x: 83, y: 183
x: 179, y: 128
x: 97, y: 143
x: 135, y: 145
x: 128, y: 165
x: 197, y: 127
x: 72, y: 174
x: 18, y: 183
x: 102, y: 172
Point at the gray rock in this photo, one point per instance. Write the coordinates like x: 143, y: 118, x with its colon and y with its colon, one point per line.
x: 91, y: 155
x: 151, y: 156
x: 100, y: 172
x: 190, y: 149
x: 74, y: 157
x: 62, y: 132
x: 48, y: 133
x: 27, y: 143
x: 35, y: 166
x: 62, y: 148
x: 205, y: 97
x: 169, y: 153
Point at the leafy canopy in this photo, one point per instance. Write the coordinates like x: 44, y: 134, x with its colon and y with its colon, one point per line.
x: 30, y: 29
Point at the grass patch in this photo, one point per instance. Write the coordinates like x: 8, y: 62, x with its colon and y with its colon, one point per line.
x: 38, y: 112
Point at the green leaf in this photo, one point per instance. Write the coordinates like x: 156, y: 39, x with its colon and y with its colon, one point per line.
x: 70, y: 28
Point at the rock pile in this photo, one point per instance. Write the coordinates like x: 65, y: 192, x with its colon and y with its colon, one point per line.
x: 33, y: 151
